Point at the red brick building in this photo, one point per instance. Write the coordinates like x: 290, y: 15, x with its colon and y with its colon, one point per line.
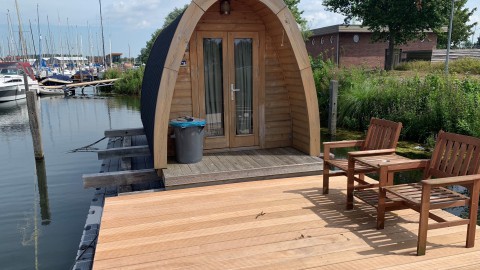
x: 352, y: 46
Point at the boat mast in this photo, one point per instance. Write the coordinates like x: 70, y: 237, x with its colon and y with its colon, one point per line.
x: 61, y: 46
x: 39, y: 45
x: 103, y: 39
x: 20, y: 33
x: 12, y: 43
x: 111, y: 58
x: 78, y: 49
x: 33, y: 40
x: 97, y: 42
x: 50, y: 36
x: 90, y: 44
x: 68, y: 43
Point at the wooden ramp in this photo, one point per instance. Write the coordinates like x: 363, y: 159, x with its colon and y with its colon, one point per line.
x: 243, y: 165
x: 272, y: 224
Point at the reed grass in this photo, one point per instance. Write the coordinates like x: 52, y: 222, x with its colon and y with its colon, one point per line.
x: 424, y: 104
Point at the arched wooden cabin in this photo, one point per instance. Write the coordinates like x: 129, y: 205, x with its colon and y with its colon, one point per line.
x: 199, y: 62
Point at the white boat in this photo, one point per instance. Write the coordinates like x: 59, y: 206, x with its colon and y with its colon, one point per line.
x: 50, y: 92
x: 12, y: 86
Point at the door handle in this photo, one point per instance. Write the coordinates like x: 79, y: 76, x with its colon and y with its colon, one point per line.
x: 232, y: 88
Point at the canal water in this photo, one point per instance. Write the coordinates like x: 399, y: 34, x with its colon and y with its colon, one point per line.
x: 43, y: 204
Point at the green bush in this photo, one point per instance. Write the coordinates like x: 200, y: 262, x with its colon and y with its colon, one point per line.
x: 110, y: 74
x: 323, y: 72
x: 426, y: 66
x: 128, y: 83
x: 423, y: 105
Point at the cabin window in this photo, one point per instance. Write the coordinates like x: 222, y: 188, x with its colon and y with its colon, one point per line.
x: 213, y: 68
x: 14, y: 80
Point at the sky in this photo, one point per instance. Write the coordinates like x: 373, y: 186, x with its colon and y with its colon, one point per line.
x: 127, y: 24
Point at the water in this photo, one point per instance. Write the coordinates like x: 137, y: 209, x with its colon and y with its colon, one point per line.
x: 42, y: 218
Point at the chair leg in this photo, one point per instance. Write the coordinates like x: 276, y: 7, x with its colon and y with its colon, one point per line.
x: 423, y: 224
x: 326, y: 177
x: 382, y: 194
x: 381, y: 209
x: 350, y: 184
x: 472, y: 225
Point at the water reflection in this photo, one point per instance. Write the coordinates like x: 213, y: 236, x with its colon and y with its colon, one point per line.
x: 14, y: 116
x: 43, y: 191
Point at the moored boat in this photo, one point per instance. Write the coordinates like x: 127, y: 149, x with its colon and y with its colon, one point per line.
x: 50, y: 92
x: 57, y: 79
x: 12, y: 85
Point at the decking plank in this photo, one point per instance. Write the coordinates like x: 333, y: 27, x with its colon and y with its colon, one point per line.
x: 219, y: 163
x: 221, y: 227
x: 236, y: 164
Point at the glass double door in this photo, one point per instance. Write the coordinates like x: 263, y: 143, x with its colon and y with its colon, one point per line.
x: 228, y: 87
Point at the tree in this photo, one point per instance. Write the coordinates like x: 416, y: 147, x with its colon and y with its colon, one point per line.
x: 145, y: 52
x: 292, y: 5
x: 461, y: 30
x: 395, y: 21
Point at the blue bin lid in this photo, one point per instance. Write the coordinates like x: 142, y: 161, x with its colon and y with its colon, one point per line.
x: 187, y: 121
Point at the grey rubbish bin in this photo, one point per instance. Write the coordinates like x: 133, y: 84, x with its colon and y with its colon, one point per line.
x: 188, y: 138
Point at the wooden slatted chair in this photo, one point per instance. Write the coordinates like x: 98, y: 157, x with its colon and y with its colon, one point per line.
x: 455, y: 161
x: 382, y: 138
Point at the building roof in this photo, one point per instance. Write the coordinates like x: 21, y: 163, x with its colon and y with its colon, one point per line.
x: 340, y: 28
x: 343, y: 28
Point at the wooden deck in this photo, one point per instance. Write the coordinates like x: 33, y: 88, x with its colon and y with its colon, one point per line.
x: 243, y: 165
x: 272, y: 224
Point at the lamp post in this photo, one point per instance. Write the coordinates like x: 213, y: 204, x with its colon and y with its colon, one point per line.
x: 449, y: 38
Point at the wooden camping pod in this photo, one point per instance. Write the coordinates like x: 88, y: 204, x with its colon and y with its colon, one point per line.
x: 285, y: 99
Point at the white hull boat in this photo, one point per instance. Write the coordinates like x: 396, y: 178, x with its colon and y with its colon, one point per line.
x: 12, y: 85
x: 50, y: 92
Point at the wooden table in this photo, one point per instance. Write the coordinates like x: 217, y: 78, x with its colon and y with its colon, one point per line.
x: 376, y: 196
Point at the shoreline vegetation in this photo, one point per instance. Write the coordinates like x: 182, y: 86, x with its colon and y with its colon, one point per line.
x: 129, y: 83
x: 419, y: 95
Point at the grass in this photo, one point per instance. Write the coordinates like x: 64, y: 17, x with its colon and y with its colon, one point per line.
x: 462, y: 66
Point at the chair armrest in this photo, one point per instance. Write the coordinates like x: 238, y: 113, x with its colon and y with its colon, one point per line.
x: 343, y: 144
x: 339, y: 144
x: 391, y: 168
x: 406, y: 165
x: 371, y: 152
x: 448, y: 181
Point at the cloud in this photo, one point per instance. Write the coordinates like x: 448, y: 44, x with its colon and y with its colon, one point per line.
x: 316, y: 14
x: 140, y: 14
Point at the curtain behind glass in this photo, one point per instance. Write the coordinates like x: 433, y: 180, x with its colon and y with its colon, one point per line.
x: 213, y: 73
x: 244, y: 82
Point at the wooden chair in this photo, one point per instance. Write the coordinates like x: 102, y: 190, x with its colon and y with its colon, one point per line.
x: 455, y: 161
x: 382, y: 138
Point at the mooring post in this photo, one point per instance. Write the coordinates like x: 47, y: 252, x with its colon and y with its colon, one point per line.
x: 34, y: 121
x: 332, y: 108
